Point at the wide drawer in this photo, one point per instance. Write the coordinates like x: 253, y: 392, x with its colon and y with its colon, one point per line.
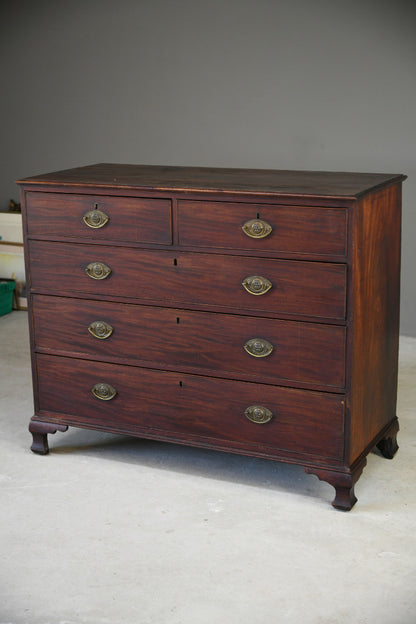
x: 188, y: 407
x: 312, y: 289
x: 293, y: 229
x: 207, y: 343
x: 130, y: 219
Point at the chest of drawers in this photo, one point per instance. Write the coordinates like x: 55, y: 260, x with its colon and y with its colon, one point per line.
x: 249, y: 311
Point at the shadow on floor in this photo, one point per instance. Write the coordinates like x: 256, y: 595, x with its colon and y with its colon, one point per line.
x: 205, y: 463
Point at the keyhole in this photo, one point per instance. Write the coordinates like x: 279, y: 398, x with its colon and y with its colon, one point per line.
x: 175, y: 262
x: 180, y: 383
x: 95, y: 206
x: 178, y: 320
x: 258, y: 215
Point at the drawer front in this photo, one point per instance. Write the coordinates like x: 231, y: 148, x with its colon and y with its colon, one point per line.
x: 293, y: 229
x: 202, y: 342
x: 190, y: 406
x: 130, y: 219
x: 296, y: 287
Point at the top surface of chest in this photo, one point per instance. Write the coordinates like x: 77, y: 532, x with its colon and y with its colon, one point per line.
x: 258, y: 181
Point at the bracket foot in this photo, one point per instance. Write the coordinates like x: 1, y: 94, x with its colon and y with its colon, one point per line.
x: 39, y: 431
x: 388, y: 446
x: 343, y: 482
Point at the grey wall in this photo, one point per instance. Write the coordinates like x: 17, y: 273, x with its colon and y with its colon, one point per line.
x: 305, y: 84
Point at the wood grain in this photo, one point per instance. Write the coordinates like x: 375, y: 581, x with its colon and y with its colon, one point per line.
x: 181, y: 316
x: 258, y: 181
x: 308, y: 423
x: 295, y: 229
x: 207, y: 280
x: 212, y: 344
x: 131, y: 219
x: 375, y: 308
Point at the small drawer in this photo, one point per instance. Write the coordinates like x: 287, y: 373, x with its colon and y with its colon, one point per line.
x: 311, y: 289
x: 190, y: 407
x: 99, y: 217
x: 263, y: 227
x: 242, y: 347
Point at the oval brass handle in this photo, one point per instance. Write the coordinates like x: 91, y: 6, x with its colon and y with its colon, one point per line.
x: 257, y: 228
x: 97, y: 270
x: 256, y: 285
x: 95, y: 219
x: 258, y: 347
x: 100, y: 329
x: 103, y: 391
x: 258, y: 414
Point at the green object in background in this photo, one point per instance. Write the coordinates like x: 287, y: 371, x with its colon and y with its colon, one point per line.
x: 7, y: 287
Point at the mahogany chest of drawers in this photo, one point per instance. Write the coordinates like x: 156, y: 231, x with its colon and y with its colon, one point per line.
x: 249, y: 311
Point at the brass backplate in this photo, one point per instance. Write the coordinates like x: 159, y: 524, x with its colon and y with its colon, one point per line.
x: 257, y: 228
x: 258, y: 414
x: 100, y: 329
x: 95, y: 219
x: 258, y: 347
x: 97, y: 270
x: 256, y: 285
x: 103, y: 391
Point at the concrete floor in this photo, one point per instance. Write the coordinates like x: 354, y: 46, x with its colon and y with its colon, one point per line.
x: 112, y: 530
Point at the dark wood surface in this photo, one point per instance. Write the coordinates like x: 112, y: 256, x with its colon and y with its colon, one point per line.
x: 131, y: 219
x: 171, y: 178
x: 178, y: 257
x: 304, y: 422
x: 375, y: 296
x: 181, y: 279
x: 212, y: 344
x: 299, y: 229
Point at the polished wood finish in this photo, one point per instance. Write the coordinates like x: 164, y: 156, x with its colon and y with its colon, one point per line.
x: 130, y: 219
x: 176, y: 404
x: 300, y: 229
x: 205, y: 280
x: 343, y: 482
x: 180, y: 316
x: 206, y: 343
x: 375, y: 292
x: 328, y: 184
x: 39, y: 431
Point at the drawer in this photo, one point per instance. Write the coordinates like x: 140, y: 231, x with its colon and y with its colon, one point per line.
x: 203, y: 342
x: 294, y: 229
x: 189, y: 407
x: 130, y: 219
x: 312, y: 289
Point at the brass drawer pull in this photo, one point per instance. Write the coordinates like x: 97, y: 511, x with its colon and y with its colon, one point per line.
x: 103, y: 391
x: 95, y: 219
x: 258, y: 414
x: 257, y: 228
x: 100, y: 329
x: 256, y: 285
x: 258, y: 347
x: 97, y: 270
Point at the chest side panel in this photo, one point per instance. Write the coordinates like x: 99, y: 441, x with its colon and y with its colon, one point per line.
x: 375, y: 308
